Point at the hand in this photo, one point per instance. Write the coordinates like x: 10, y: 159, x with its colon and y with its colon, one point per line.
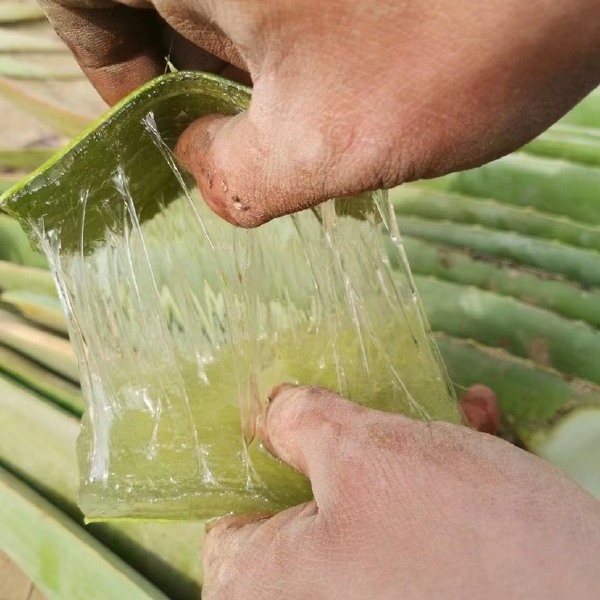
x: 349, y: 95
x: 409, y: 510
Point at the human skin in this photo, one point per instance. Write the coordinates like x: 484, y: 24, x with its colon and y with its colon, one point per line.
x: 406, y: 510
x: 353, y: 95
x: 349, y: 95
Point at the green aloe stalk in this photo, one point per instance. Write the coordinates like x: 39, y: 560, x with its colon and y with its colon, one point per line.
x: 38, y: 443
x: 39, y: 379
x: 571, y: 347
x: 586, y: 113
x: 553, y: 415
x: 15, y: 246
x: 574, y: 263
x: 414, y: 200
x: 15, y: 68
x: 471, y: 268
x: 40, y: 309
x: 25, y: 159
x: 64, y: 561
x: 16, y: 12
x: 47, y: 348
x: 550, y: 185
x: 569, y: 142
x: 62, y: 121
x: 14, y: 276
x: 16, y: 42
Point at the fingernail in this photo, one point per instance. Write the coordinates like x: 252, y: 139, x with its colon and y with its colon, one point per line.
x: 280, y: 389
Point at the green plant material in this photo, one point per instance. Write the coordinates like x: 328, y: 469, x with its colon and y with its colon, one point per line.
x: 540, y: 288
x: 422, y: 202
x: 40, y: 309
x: 574, y: 263
x: 16, y: 12
x: 555, y: 416
x: 14, y: 276
x: 568, y: 142
x: 126, y: 128
x: 573, y: 446
x: 64, y: 561
x: 38, y: 443
x: 548, y: 185
x: 7, y: 181
x: 15, y: 246
x: 15, y: 68
x: 571, y: 347
x: 586, y: 113
x: 62, y: 121
x: 36, y: 377
x: 46, y: 348
x: 15, y: 42
x: 24, y: 158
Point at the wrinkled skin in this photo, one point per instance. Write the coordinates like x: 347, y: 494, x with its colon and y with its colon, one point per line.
x: 352, y: 95
x: 406, y: 510
x: 349, y: 95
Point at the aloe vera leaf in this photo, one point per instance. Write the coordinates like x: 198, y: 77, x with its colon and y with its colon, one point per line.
x: 421, y: 202
x: 15, y: 68
x: 571, y: 347
x: 120, y: 143
x: 548, y: 185
x: 586, y: 113
x: 554, y: 416
x: 14, y: 276
x: 15, y: 245
x: 24, y: 158
x: 62, y: 121
x: 46, y: 348
x: 7, y: 181
x: 578, y: 264
x: 15, y: 12
x: 64, y: 561
x: 44, y: 382
x: 16, y: 42
x: 572, y: 445
x: 503, y: 277
x: 38, y: 443
x: 40, y: 309
x: 531, y: 396
x: 568, y: 142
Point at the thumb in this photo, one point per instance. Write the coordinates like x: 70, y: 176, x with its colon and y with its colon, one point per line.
x: 276, y: 159
x: 327, y: 438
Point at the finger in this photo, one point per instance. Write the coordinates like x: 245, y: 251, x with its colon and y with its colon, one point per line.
x: 187, y: 56
x: 280, y: 156
x: 195, y: 22
x: 117, y: 46
x: 240, y: 550
x: 480, y: 408
x: 321, y: 435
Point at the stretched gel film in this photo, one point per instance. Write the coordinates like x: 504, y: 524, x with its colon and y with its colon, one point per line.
x: 182, y: 323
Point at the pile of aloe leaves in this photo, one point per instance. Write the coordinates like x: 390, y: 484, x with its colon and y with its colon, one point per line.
x: 506, y: 261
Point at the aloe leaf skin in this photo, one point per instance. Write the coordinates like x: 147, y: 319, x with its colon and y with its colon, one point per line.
x: 64, y: 561
x: 571, y: 347
x: 471, y: 268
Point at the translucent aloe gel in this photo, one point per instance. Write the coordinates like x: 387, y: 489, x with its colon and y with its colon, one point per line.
x: 182, y: 324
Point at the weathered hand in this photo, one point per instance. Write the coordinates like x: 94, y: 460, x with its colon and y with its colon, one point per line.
x: 409, y: 510
x: 349, y: 95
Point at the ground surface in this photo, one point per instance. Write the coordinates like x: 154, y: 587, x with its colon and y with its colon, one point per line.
x: 14, y: 584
